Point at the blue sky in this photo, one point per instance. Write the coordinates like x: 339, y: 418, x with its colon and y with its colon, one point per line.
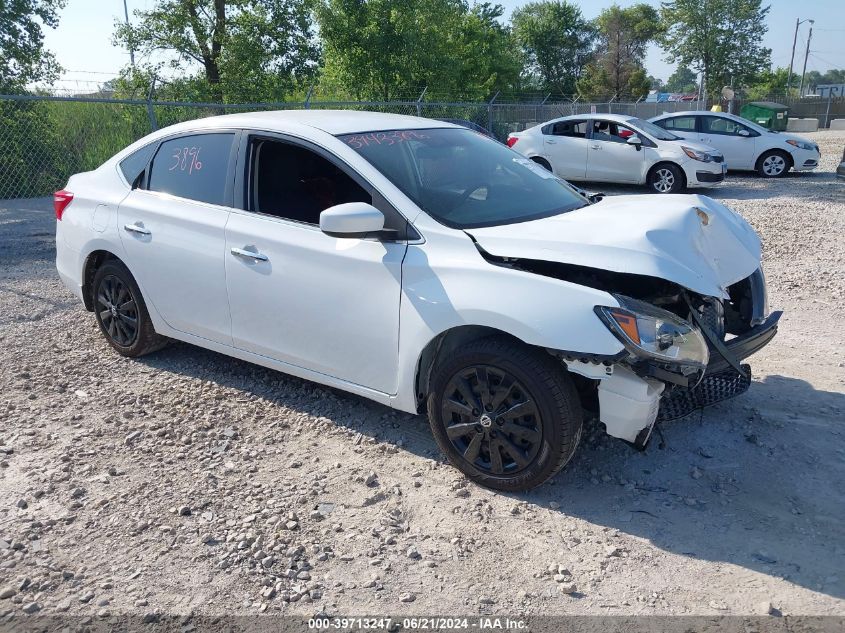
x: 82, y: 42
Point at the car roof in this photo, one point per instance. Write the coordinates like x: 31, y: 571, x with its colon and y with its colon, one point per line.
x: 330, y: 121
x: 667, y: 115
x: 607, y: 116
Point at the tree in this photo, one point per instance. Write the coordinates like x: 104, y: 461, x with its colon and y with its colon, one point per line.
x: 682, y: 80
x: 556, y: 41
x: 387, y: 49
x: 656, y: 83
x: 771, y: 82
x: 721, y: 39
x: 247, y: 49
x: 624, y: 35
x: 23, y: 59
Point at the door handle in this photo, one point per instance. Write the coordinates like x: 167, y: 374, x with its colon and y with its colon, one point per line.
x: 596, y: 146
x: 551, y: 141
x: 134, y: 228
x: 240, y: 252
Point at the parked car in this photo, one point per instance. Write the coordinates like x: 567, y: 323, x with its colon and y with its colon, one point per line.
x: 425, y: 267
x: 617, y: 148
x: 840, y: 170
x: 746, y: 145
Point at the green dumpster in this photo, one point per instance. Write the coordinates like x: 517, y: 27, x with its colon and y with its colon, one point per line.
x: 773, y: 116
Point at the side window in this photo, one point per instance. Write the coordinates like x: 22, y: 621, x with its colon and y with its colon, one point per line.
x: 611, y: 132
x: 133, y: 166
x: 680, y: 123
x: 292, y: 182
x: 574, y: 129
x: 194, y: 167
x: 720, y: 125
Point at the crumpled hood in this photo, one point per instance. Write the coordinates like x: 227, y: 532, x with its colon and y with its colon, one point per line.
x: 664, y: 236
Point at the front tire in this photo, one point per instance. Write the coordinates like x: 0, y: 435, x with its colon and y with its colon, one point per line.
x: 121, y: 312
x: 774, y: 164
x: 665, y: 178
x: 505, y: 414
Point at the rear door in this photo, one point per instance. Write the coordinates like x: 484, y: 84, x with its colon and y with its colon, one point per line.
x: 611, y: 158
x: 723, y: 133
x: 172, y: 230
x: 566, y: 145
x: 683, y: 126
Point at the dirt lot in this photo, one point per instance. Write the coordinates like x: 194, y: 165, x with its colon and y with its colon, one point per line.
x: 189, y: 482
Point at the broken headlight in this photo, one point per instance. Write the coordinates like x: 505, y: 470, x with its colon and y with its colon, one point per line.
x: 648, y: 331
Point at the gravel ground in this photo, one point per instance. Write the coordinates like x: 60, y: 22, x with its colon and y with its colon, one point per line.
x: 189, y: 482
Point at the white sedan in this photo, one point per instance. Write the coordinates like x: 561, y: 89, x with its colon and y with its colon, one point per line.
x: 622, y: 149
x: 423, y: 266
x: 746, y: 145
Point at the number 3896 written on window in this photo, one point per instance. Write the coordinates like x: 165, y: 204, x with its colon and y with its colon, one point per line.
x: 186, y: 159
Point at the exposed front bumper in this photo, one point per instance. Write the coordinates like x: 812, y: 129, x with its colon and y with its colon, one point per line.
x: 805, y: 160
x: 745, y: 345
x: 699, y: 174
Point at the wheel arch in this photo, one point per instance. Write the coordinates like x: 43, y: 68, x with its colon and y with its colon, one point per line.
x: 444, y: 343
x: 672, y: 163
x: 93, y: 262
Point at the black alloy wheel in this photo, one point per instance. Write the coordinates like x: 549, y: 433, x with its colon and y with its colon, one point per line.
x: 492, y: 420
x: 506, y: 414
x: 121, y: 312
x: 117, y: 311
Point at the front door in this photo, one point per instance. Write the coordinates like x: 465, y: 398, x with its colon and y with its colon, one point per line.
x: 612, y: 159
x: 297, y: 295
x: 735, y: 140
x: 172, y: 231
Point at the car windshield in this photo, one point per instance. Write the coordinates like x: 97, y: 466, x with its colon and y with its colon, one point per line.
x: 653, y: 130
x: 463, y: 179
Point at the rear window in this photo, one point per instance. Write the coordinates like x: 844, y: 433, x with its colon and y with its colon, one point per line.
x: 133, y: 165
x: 194, y: 167
x: 680, y: 123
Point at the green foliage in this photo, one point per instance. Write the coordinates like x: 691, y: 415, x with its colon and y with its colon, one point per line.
x: 556, y: 41
x: 814, y: 78
x: 389, y: 49
x: 247, y: 50
x: 656, y: 83
x: 722, y: 39
x: 617, y: 68
x: 771, y: 82
x: 682, y: 80
x: 23, y: 59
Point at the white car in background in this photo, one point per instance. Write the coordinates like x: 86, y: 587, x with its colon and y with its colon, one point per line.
x: 622, y: 149
x: 424, y: 266
x: 746, y: 145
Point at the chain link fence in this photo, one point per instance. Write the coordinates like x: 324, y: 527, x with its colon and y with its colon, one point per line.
x: 46, y: 139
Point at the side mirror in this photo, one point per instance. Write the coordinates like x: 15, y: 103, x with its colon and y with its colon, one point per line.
x: 352, y: 219
x: 744, y: 133
x: 636, y: 141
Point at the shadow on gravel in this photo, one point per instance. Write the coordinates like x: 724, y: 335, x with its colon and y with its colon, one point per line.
x: 742, y: 186
x: 727, y: 487
x: 27, y: 232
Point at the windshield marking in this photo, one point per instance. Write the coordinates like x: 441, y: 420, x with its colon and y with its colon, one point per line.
x: 384, y: 138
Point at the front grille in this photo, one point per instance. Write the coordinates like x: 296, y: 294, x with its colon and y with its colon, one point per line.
x: 713, y: 388
x: 717, y: 158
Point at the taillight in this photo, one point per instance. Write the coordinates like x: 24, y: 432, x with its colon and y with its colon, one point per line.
x: 512, y: 140
x: 61, y: 199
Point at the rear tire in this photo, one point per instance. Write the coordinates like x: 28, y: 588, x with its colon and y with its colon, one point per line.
x: 666, y: 178
x: 121, y: 312
x: 505, y: 414
x: 774, y: 164
x: 543, y: 163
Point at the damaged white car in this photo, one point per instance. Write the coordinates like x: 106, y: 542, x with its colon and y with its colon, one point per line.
x: 426, y: 267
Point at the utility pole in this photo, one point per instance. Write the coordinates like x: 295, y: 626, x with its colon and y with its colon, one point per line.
x: 804, y: 70
x: 131, y: 50
x: 798, y: 22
